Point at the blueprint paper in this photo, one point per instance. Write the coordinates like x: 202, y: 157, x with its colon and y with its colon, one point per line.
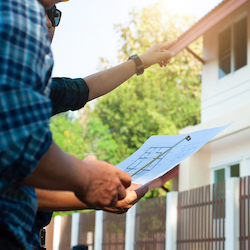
x: 161, y: 153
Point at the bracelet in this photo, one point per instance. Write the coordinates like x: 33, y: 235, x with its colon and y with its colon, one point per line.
x: 138, y: 63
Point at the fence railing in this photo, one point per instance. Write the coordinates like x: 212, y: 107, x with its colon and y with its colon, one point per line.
x: 201, y: 218
x: 211, y: 217
x: 86, y: 232
x: 113, y: 231
x: 150, y: 224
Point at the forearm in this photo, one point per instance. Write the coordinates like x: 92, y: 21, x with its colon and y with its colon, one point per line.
x: 105, y: 81
x: 49, y: 201
x: 96, y: 183
x: 57, y: 170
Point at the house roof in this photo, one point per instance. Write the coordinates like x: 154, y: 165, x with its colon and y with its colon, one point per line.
x: 204, y: 24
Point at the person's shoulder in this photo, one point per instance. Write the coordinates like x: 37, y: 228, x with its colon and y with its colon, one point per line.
x: 22, y: 19
x: 27, y: 9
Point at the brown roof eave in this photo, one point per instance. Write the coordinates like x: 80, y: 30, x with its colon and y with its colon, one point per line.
x: 207, y: 22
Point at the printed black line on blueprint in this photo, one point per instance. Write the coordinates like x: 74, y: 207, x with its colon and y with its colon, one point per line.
x: 154, y: 153
x: 149, y: 155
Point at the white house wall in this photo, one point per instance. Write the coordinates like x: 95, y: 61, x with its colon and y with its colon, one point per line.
x: 194, y: 171
x: 230, y: 150
x: 231, y: 146
x: 220, y: 96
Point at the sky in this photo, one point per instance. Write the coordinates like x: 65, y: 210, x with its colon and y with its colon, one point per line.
x: 86, y: 31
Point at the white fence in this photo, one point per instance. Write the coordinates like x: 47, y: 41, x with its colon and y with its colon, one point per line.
x: 132, y: 233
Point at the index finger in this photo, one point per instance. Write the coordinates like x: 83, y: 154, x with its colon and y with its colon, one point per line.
x: 168, y: 44
x: 125, y: 178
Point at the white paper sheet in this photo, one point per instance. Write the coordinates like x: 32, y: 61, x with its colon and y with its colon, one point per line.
x: 160, y: 153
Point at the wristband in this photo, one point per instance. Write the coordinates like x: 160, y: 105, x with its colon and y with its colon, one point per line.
x: 138, y: 63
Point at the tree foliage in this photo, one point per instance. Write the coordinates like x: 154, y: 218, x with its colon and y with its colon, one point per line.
x: 68, y: 134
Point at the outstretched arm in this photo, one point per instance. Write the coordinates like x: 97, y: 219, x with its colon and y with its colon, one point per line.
x: 105, y: 81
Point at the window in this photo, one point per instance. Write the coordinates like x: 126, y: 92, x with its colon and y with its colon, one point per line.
x: 233, y: 48
x: 235, y: 170
x: 226, y: 172
x: 240, y: 44
x: 219, y: 194
x: 220, y: 176
x: 225, y: 52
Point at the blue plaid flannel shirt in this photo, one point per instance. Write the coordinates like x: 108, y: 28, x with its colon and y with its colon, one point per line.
x: 25, y: 68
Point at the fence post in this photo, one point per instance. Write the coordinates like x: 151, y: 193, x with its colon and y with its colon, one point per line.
x: 98, y: 230
x: 130, y: 228
x: 56, y: 232
x: 245, y: 166
x: 75, y: 229
x: 232, y: 213
x: 171, y: 220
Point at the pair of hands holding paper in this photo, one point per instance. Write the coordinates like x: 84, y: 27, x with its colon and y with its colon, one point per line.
x: 108, y: 189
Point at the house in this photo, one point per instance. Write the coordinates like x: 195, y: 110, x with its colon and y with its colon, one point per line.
x: 225, y: 95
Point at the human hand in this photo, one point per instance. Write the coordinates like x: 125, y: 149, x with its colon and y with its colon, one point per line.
x: 133, y: 194
x: 158, y: 53
x: 105, y: 185
x: 159, y: 182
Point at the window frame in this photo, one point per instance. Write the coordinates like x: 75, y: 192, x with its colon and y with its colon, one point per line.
x: 231, y: 26
x: 226, y: 166
x: 220, y: 214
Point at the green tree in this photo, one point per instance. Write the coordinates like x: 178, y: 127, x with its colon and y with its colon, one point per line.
x: 67, y: 132
x: 99, y: 140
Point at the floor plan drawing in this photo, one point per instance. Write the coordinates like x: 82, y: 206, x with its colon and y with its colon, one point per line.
x: 160, y: 153
x: 151, y: 154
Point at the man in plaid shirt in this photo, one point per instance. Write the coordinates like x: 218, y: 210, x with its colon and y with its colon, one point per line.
x: 25, y: 66
x: 29, y: 157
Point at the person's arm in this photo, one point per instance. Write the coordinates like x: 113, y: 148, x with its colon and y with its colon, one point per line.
x: 96, y: 183
x: 49, y: 200
x: 105, y: 81
x: 72, y: 94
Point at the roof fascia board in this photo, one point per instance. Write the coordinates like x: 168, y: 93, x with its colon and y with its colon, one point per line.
x: 205, y: 24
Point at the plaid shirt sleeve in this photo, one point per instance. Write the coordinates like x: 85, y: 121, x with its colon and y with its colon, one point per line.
x: 25, y: 68
x: 68, y: 94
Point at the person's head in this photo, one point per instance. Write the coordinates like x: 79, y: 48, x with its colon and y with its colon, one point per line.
x: 53, y: 16
x: 47, y: 4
